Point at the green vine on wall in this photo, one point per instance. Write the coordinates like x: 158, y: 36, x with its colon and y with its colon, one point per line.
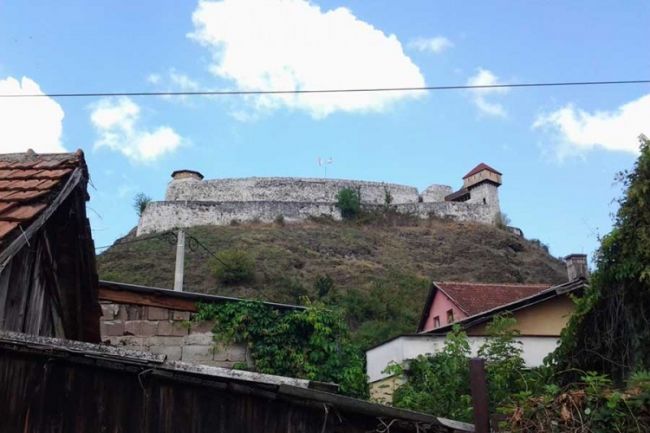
x: 312, y: 344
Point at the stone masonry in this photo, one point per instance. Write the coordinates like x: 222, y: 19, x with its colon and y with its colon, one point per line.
x: 169, y: 332
x: 191, y: 201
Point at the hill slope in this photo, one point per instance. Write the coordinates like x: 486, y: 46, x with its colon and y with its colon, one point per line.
x: 381, y: 268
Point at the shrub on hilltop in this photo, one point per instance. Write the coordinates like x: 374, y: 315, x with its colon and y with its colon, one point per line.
x: 233, y: 267
x: 348, y: 200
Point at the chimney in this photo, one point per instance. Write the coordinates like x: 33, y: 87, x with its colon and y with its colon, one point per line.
x: 576, y: 266
x: 187, y: 175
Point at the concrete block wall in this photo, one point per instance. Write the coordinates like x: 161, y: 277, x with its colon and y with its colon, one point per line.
x: 169, y: 332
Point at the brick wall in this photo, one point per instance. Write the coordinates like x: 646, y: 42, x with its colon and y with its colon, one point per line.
x: 166, y: 331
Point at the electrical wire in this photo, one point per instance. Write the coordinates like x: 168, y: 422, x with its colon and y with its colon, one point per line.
x: 138, y: 239
x: 316, y: 91
x: 168, y: 235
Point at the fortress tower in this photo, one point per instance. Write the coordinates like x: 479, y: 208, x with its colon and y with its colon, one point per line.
x: 480, y: 185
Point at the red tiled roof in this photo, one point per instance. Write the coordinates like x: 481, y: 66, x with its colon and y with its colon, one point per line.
x: 482, y: 166
x: 28, y: 183
x: 474, y: 298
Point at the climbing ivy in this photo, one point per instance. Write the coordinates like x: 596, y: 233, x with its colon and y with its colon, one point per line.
x: 610, y: 331
x: 312, y: 344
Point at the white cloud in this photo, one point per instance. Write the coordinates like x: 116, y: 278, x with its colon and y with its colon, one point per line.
x: 173, y: 81
x: 29, y: 123
x: 434, y: 45
x: 153, y: 79
x: 293, y: 44
x: 183, y: 82
x: 117, y: 123
x: 577, y: 131
x: 484, y: 77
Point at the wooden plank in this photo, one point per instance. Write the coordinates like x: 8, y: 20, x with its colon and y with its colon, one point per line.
x: 478, y: 387
x: 5, y: 280
x: 148, y: 299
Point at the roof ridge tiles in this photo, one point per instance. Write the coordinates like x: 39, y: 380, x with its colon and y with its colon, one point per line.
x: 468, y: 283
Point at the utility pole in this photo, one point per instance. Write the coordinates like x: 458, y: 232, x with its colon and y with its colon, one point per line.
x: 180, y: 260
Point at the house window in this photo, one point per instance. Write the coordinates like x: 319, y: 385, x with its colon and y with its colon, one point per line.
x: 436, y: 322
x: 450, y: 316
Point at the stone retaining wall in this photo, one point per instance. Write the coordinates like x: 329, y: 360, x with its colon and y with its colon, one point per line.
x: 166, y: 215
x: 166, y: 331
x: 285, y: 189
x: 457, y: 211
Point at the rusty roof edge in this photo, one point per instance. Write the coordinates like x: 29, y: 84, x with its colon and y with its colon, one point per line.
x: 79, y: 347
x: 72, y: 182
x: 145, y: 359
x: 198, y: 297
x: 359, y: 406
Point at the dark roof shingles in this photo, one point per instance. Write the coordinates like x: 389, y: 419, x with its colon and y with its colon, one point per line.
x: 474, y: 298
x: 28, y: 183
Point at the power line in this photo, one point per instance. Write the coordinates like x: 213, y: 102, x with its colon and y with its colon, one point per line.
x: 316, y: 91
x: 138, y: 239
x: 169, y: 236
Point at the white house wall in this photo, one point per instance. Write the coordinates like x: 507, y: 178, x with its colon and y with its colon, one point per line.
x: 405, y: 348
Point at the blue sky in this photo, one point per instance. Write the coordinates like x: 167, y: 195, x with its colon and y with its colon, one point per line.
x: 558, y: 148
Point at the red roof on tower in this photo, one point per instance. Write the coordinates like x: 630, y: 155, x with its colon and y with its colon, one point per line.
x: 482, y: 166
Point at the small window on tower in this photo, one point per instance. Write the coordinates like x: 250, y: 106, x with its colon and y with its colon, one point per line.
x: 450, y: 316
x: 436, y: 322
x: 484, y: 202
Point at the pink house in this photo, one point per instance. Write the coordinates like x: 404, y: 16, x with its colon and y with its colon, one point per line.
x: 450, y: 302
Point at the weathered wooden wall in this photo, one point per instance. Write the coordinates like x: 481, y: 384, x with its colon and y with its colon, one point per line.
x: 49, y: 287
x: 53, y: 396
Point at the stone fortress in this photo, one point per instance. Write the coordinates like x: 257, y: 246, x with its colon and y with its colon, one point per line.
x: 192, y: 201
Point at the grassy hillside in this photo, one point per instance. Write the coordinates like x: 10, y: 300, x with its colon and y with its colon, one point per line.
x: 381, y: 267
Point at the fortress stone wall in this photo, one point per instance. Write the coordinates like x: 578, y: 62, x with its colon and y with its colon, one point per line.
x: 191, y: 201
x: 284, y: 189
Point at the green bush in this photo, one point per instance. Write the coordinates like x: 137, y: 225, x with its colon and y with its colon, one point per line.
x: 348, y: 200
x: 439, y: 384
x: 323, y: 285
x: 233, y: 267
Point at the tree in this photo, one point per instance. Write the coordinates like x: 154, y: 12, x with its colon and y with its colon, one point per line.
x: 140, y: 202
x: 348, y: 200
x: 610, y: 331
x: 439, y: 384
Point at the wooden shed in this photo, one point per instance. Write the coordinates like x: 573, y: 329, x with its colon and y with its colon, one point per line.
x: 48, y: 278
x: 59, y: 386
